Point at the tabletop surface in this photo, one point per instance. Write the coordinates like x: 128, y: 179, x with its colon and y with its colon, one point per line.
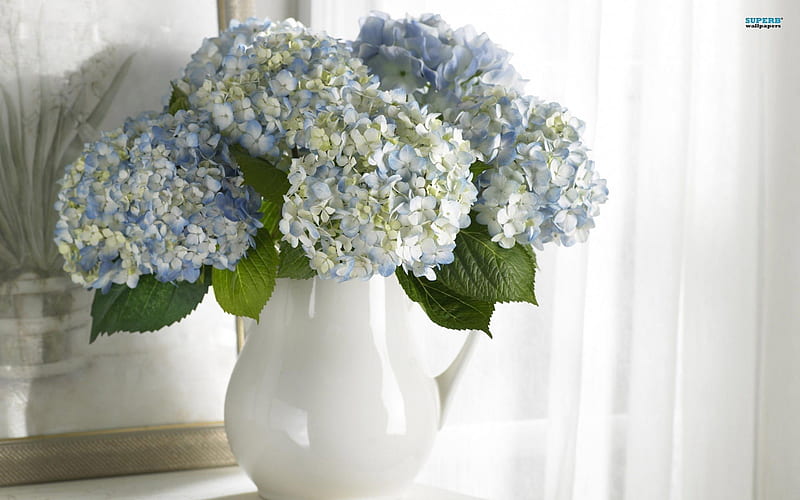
x: 226, y: 483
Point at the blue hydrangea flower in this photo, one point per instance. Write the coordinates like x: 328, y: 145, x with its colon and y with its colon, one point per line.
x: 549, y: 190
x: 157, y: 196
x: 541, y: 185
x: 262, y: 80
x: 426, y: 55
x: 376, y: 181
x: 458, y: 73
x: 223, y: 51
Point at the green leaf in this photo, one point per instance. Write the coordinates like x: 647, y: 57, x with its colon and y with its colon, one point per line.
x: 483, y: 270
x: 271, y: 217
x: 150, y: 306
x: 294, y: 263
x: 246, y: 290
x: 265, y: 178
x: 178, y: 100
x: 446, y: 307
x: 478, y: 167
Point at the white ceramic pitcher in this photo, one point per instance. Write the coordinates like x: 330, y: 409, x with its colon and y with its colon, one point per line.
x: 328, y: 400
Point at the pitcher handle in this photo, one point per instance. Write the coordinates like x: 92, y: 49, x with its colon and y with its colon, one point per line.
x: 448, y: 380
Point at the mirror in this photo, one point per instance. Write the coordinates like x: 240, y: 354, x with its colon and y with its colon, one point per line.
x: 72, y: 69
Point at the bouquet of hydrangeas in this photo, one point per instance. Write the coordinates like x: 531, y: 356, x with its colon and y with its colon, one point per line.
x: 286, y: 153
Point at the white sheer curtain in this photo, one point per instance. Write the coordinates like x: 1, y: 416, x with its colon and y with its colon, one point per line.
x: 663, y: 360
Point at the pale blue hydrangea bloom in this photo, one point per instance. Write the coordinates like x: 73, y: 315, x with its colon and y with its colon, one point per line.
x: 541, y: 186
x: 262, y: 80
x: 383, y: 184
x: 376, y: 182
x: 216, y: 52
x: 425, y: 54
x: 490, y: 117
x: 157, y: 196
x: 549, y: 191
x: 458, y: 73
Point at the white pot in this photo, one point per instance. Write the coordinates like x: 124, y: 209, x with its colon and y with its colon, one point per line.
x: 44, y: 322
x: 328, y: 399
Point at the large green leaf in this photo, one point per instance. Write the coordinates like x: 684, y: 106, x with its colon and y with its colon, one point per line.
x: 271, y: 216
x: 265, y: 178
x: 446, y: 307
x: 150, y: 306
x: 246, y: 290
x: 294, y: 263
x: 483, y: 270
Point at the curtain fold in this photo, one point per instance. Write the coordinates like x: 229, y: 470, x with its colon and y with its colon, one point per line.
x: 775, y: 106
x: 662, y: 362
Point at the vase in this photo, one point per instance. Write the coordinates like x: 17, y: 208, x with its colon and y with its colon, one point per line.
x: 44, y: 323
x: 328, y: 399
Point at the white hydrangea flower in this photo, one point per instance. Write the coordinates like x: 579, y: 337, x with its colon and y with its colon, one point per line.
x: 383, y: 185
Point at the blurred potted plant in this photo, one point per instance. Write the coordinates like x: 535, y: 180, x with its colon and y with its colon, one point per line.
x: 44, y: 121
